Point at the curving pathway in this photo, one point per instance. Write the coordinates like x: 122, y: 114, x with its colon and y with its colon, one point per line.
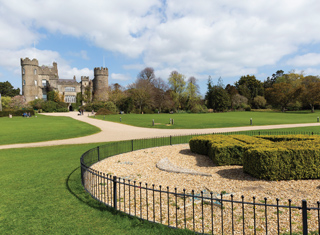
x: 111, y: 131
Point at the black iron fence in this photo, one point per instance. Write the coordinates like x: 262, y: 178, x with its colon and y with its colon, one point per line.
x: 202, y: 212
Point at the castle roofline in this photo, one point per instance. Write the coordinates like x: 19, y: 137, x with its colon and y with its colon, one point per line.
x: 27, y: 61
x: 67, y: 81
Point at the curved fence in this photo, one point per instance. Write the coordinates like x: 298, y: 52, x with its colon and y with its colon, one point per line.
x: 202, y: 212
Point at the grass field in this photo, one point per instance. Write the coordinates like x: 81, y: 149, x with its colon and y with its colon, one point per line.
x: 41, y: 193
x: 212, y: 120
x: 42, y: 128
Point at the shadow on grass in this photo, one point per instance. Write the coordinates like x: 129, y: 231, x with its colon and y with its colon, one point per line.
x: 74, y: 186
x: 133, y: 224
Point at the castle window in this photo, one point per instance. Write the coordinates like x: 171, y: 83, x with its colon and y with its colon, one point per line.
x: 23, y: 71
x: 35, y: 82
x: 24, y: 82
x: 70, y: 99
x: 44, y: 82
x: 44, y: 97
x: 35, y: 72
x: 69, y: 88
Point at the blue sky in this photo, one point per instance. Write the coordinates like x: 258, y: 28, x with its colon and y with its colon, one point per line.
x: 221, y: 38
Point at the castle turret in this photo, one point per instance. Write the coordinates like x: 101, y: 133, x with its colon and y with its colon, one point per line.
x: 30, y: 78
x: 100, y: 84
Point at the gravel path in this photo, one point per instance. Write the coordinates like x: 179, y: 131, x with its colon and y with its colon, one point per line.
x: 111, y: 131
x: 143, y: 166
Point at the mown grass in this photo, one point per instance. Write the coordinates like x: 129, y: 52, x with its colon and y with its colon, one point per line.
x: 41, y: 193
x: 212, y: 120
x: 42, y: 128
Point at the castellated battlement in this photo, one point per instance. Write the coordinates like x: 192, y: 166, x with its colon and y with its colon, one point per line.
x: 84, y: 78
x: 101, y: 71
x: 27, y: 61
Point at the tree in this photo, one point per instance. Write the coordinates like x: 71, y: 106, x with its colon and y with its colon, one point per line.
x: 239, y: 101
x: 249, y: 87
x: 5, y: 101
x: 177, y: 85
x: 141, y: 94
x: 55, y: 96
x: 217, y: 97
x: 162, y: 98
x: 87, y: 96
x: 116, y: 94
x: 281, y: 94
x: 270, y: 81
x: 19, y: 102
x: 293, y: 78
x: 147, y: 74
x: 232, y: 91
x: 220, y: 99
x: 6, y: 89
x: 209, y: 94
x: 311, y: 91
x: 259, y: 102
x: 192, y: 93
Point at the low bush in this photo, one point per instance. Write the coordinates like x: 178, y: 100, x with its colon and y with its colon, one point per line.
x: 104, y: 111
x: 99, y: 105
x: 264, y: 157
x: 5, y: 113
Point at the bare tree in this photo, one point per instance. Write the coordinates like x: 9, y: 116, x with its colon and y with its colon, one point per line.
x: 147, y: 74
x: 162, y: 98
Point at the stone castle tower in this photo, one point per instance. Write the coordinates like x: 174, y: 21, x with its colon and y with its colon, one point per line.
x: 100, y: 84
x: 37, y: 79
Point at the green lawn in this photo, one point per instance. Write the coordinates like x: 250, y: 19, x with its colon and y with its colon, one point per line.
x: 40, y: 188
x: 42, y: 128
x: 41, y: 193
x: 212, y: 120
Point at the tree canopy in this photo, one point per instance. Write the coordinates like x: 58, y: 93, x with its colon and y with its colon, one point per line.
x: 6, y: 89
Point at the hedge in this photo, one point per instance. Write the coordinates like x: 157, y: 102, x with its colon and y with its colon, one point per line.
x: 264, y: 157
x: 6, y: 113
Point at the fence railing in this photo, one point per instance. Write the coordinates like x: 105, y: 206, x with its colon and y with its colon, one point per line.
x: 202, y: 212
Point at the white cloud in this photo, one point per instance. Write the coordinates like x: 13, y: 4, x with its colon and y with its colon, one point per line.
x: 120, y: 77
x: 310, y: 71
x: 10, y: 60
x: 221, y: 38
x: 66, y: 72
x: 134, y: 66
x: 310, y: 59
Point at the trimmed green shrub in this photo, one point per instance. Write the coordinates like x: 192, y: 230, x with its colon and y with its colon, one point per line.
x: 226, y: 153
x: 264, y: 157
x: 282, y: 163
x: 6, y: 113
x: 199, y: 144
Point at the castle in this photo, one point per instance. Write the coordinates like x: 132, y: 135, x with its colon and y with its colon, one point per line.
x: 38, y: 80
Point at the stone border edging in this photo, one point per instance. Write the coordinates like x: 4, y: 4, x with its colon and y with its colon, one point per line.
x: 165, y: 165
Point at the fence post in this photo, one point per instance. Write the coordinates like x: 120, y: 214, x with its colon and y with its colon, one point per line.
x: 131, y: 145
x: 170, y: 140
x: 115, y: 192
x: 98, y: 153
x: 304, y: 218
